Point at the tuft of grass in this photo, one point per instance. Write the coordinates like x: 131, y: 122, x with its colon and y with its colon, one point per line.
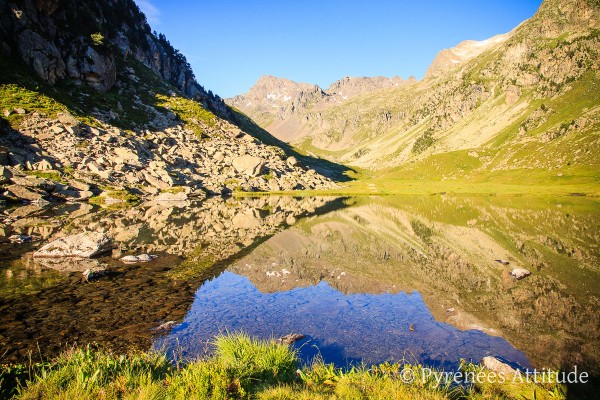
x: 252, y: 359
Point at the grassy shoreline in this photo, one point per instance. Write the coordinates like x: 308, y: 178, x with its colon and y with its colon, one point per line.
x: 241, y: 368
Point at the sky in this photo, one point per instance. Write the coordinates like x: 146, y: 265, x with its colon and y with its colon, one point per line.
x: 231, y: 43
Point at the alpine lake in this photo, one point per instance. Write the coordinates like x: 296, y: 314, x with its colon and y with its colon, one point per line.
x: 364, y: 279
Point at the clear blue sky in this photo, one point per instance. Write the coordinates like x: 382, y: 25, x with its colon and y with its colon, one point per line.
x: 231, y: 43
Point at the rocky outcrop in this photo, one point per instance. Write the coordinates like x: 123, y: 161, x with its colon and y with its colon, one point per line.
x: 451, y: 59
x: 83, y: 39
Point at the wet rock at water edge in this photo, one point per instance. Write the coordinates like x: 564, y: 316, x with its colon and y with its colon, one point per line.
x: 290, y: 339
x: 520, y: 273
x: 93, y: 273
x: 138, y: 259
x: 495, y: 365
x: 20, y: 239
x: 84, y: 245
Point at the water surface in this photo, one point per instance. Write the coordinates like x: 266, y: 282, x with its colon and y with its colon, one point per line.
x: 350, y: 273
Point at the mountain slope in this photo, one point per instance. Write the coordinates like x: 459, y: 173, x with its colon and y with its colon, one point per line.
x: 528, y: 99
x: 93, y: 104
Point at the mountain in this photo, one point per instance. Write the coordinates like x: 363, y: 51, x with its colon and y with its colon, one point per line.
x: 277, y: 103
x: 522, y: 101
x: 96, y: 104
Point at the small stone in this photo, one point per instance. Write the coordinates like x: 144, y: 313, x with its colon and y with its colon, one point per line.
x: 138, y: 259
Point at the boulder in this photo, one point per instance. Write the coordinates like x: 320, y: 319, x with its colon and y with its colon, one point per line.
x: 19, y: 192
x: 246, y: 220
x: 520, y: 273
x: 84, y: 245
x: 248, y: 165
x: 493, y: 364
x: 292, y: 162
x: 5, y: 175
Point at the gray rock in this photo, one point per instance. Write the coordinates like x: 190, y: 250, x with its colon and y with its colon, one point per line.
x: 42, y: 55
x: 96, y: 69
x: 138, y: 259
x: 5, y: 175
x: 93, y: 273
x: 19, y: 192
x: 167, y: 196
x: 248, y: 165
x: 520, y: 273
x: 493, y: 364
x: 84, y: 245
x: 292, y: 162
x: 290, y: 339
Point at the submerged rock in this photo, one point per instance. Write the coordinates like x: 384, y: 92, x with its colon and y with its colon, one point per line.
x: 290, y: 339
x: 164, y: 327
x: 520, y: 273
x: 84, y: 245
x: 93, y: 273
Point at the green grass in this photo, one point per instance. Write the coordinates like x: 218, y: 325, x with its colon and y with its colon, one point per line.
x: 123, y: 196
x: 14, y: 96
x: 52, y: 175
x: 189, y: 111
x: 241, y: 368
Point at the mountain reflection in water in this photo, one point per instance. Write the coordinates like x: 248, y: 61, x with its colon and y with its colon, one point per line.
x: 337, y: 253
x: 351, y: 328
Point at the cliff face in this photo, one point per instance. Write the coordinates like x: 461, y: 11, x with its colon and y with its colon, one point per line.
x: 82, y: 40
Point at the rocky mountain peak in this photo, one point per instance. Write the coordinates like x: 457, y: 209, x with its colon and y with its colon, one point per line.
x: 349, y: 87
x: 450, y: 59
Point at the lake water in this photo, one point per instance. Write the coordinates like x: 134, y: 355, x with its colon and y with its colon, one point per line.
x: 352, y: 274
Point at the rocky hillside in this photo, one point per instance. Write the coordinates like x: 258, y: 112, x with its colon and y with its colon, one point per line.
x: 528, y: 99
x: 95, y: 105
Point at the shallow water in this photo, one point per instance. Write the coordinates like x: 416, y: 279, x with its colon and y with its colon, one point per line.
x: 351, y: 274
x: 343, y: 328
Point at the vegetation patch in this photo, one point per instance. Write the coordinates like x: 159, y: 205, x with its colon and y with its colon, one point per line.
x: 423, y: 142
x: 51, y: 175
x: 244, y: 368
